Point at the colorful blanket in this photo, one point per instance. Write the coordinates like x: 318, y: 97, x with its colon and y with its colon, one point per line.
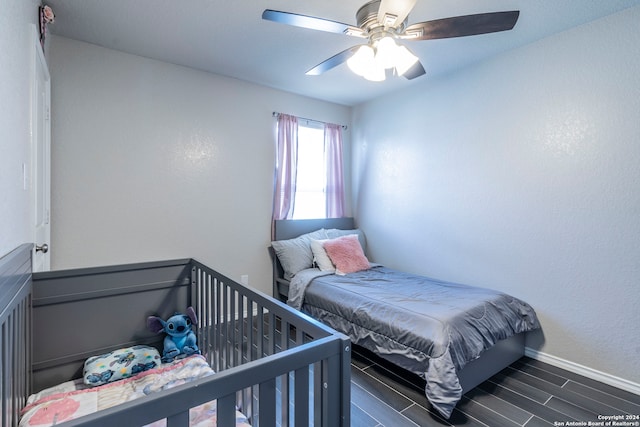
x: 74, y: 399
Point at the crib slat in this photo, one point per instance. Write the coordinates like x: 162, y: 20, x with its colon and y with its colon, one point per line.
x: 219, y: 344
x: 225, y: 326
x: 226, y: 410
x: 18, y: 358
x: 4, y: 375
x: 208, y: 317
x: 260, y: 332
x: 9, y: 366
x: 271, y: 339
x: 235, y: 315
x: 283, y: 396
x: 267, y: 402
x: 317, y: 391
x: 301, y: 397
x: 240, y: 332
x: 284, y: 379
x: 250, y: 308
x: 218, y: 324
x: 299, y: 340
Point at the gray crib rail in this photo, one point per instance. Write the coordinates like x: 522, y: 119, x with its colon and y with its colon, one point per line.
x: 240, y: 326
x: 15, y: 333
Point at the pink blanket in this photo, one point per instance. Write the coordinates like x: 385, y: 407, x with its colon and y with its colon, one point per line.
x: 73, y: 399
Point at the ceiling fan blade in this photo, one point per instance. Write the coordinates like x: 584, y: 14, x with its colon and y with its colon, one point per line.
x: 311, y: 22
x: 393, y: 12
x: 415, y: 71
x: 461, y: 26
x: 332, y: 62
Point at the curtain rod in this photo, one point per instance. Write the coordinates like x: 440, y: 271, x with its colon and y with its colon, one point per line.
x: 275, y: 114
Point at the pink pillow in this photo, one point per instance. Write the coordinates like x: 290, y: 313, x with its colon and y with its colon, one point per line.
x: 346, y: 254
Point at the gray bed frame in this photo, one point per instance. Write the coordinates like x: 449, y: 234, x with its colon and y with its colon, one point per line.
x: 492, y: 361
x: 51, y: 322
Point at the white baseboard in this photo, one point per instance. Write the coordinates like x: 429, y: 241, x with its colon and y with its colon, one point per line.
x: 585, y: 371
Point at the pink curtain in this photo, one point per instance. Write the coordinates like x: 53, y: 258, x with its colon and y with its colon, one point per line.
x: 334, y: 189
x: 286, y: 165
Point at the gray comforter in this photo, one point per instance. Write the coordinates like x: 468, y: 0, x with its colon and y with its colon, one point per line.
x: 429, y: 327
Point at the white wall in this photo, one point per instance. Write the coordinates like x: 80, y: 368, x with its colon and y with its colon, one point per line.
x: 17, y: 24
x: 155, y: 161
x: 521, y: 174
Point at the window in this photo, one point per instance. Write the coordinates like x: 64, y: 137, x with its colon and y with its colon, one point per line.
x: 310, y: 199
x: 308, y: 180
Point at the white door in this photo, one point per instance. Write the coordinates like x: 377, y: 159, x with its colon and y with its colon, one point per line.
x: 41, y: 159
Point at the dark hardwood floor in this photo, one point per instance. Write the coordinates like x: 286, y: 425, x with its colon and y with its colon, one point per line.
x: 527, y: 393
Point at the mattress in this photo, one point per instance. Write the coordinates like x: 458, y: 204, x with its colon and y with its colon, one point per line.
x: 429, y: 327
x: 73, y: 399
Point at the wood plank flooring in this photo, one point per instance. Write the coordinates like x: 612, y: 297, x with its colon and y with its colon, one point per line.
x: 528, y: 393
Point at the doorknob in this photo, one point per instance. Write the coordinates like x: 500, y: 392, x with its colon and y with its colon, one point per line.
x: 44, y: 248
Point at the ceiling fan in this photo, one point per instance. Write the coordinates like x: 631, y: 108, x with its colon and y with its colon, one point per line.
x: 383, y: 22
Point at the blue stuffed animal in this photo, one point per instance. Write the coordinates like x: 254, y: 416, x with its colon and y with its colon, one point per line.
x: 180, y: 339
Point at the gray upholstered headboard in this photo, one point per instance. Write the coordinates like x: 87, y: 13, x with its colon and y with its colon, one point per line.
x: 290, y: 228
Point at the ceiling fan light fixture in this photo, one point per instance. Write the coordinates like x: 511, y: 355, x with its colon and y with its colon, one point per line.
x: 383, y: 22
x: 386, y: 51
x: 362, y: 61
x: 404, y: 60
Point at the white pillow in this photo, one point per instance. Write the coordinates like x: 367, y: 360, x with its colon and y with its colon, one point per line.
x: 320, y: 256
x: 119, y: 364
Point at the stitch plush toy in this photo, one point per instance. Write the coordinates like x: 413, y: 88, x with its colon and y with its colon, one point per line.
x: 180, y: 339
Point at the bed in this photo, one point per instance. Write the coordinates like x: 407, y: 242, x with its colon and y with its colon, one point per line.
x: 452, y: 335
x: 261, y: 362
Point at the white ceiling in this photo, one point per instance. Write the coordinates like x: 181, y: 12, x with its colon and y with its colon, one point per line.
x: 228, y: 37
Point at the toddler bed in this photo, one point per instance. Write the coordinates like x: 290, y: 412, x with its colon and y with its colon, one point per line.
x: 261, y: 362
x: 452, y: 335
